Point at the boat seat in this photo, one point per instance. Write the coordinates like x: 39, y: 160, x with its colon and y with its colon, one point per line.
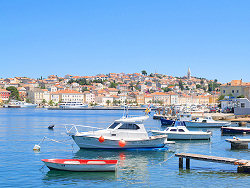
x: 96, y: 162
x: 71, y: 162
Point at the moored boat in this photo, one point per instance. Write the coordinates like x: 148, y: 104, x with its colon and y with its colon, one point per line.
x: 20, y: 104
x: 166, y: 122
x: 72, y: 105
x: 126, y: 132
x: 81, y: 165
x: 180, y: 132
x: 206, y: 122
x: 235, y: 130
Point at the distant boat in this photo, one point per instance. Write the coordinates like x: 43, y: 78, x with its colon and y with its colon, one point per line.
x: 180, y: 132
x: 20, y: 104
x: 70, y: 105
x: 81, y: 165
x: 235, y: 130
x: 206, y: 122
x: 167, y: 122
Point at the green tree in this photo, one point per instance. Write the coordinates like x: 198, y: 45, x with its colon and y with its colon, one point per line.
x: 181, y: 85
x: 221, y: 97
x: 198, y: 86
x: 144, y: 72
x: 108, y: 102
x: 28, y: 100
x: 115, y: 102
x: 113, y: 85
x: 44, y: 101
x: 166, y: 89
x: 84, y: 89
x: 51, y: 103
x: 241, y: 96
x: 14, y: 93
x: 131, y: 86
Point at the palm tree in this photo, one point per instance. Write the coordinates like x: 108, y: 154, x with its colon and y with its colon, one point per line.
x: 131, y: 86
x: 108, y: 102
x: 51, y: 103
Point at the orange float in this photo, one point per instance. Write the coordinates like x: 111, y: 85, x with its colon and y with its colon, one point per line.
x: 101, y: 139
x: 122, y: 143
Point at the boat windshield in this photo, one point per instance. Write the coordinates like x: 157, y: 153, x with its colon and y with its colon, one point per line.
x: 129, y: 126
x: 113, y: 125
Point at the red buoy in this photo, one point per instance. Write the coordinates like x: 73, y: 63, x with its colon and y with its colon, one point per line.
x: 122, y: 143
x: 101, y: 139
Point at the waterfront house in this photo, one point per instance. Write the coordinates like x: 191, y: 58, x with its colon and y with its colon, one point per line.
x: 236, y: 88
x: 4, y: 95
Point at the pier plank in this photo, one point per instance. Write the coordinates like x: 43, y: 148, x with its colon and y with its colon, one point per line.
x: 211, y: 158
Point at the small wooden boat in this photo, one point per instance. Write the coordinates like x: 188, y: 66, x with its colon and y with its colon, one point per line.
x: 235, y: 130
x: 81, y: 165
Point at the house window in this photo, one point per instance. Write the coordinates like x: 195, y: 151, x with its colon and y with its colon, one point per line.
x: 232, y: 91
x: 224, y: 91
x: 237, y: 91
x: 242, y: 105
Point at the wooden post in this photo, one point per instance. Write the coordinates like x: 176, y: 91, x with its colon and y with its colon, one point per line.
x: 243, y: 169
x: 180, y: 162
x: 239, y: 145
x: 187, y: 163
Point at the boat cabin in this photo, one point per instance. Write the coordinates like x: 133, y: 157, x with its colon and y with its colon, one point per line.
x: 176, y: 129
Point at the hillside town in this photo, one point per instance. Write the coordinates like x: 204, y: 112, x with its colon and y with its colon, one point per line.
x: 116, y: 89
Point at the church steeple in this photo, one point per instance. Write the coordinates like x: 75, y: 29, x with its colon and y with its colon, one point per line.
x: 189, y: 74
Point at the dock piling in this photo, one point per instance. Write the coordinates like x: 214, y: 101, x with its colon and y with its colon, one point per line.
x: 187, y: 163
x: 243, y: 165
x: 180, y: 162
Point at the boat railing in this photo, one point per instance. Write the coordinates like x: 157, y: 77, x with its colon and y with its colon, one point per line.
x: 74, y: 129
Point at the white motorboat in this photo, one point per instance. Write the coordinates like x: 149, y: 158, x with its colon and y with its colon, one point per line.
x: 206, y: 122
x: 72, y: 105
x: 20, y: 104
x: 180, y: 132
x: 81, y: 165
x: 124, y: 133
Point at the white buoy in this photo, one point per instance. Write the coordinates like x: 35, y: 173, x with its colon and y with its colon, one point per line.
x: 36, y: 147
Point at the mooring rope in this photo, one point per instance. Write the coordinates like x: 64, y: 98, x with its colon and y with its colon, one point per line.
x: 167, y: 159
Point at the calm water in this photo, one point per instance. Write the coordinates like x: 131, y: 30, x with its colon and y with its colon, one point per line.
x: 21, y: 129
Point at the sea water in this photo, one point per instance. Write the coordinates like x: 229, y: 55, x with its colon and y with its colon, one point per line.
x: 20, y: 166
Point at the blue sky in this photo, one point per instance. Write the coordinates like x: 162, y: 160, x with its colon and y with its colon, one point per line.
x: 88, y: 37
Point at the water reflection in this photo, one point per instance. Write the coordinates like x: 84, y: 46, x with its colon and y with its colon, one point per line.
x: 70, y: 177
x: 132, y: 165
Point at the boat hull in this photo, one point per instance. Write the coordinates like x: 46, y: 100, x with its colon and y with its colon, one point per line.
x: 172, y: 136
x: 235, y: 130
x: 85, y: 142
x: 96, y: 167
x: 166, y: 122
x: 204, y: 125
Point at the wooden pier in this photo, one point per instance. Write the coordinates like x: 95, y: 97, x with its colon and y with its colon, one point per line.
x: 243, y: 165
x: 237, y: 143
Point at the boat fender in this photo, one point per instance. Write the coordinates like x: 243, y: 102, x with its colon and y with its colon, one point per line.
x: 36, y: 148
x: 122, y: 143
x: 101, y: 139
